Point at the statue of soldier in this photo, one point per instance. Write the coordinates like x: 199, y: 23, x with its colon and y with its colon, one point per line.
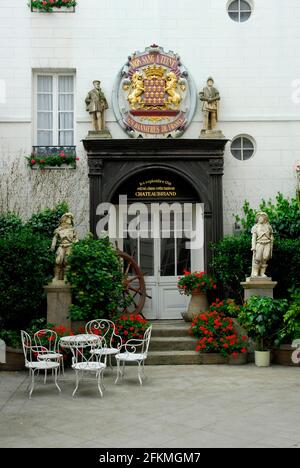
x: 96, y: 105
x: 262, y: 244
x: 210, y: 98
x: 65, y: 236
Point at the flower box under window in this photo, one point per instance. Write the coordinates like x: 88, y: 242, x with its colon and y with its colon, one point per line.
x: 51, y: 6
x: 52, y: 157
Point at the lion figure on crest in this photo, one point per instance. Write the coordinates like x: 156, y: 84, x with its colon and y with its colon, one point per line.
x: 171, y: 88
x: 135, y: 97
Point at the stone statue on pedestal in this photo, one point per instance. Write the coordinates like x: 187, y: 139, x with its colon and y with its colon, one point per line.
x: 96, y: 105
x: 65, y: 236
x: 262, y: 245
x: 210, y: 98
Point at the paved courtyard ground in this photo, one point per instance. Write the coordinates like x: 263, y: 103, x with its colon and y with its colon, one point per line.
x: 179, y: 406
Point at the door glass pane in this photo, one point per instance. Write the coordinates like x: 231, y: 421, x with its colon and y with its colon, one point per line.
x: 183, y: 257
x: 44, y: 138
x: 167, y: 248
x: 44, y: 84
x: 147, y: 256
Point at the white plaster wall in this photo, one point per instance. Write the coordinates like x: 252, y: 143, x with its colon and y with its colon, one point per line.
x: 254, y: 65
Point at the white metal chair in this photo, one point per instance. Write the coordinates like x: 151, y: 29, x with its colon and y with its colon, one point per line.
x: 83, y: 364
x: 31, y: 352
x: 134, y: 351
x: 50, y: 336
x: 112, y: 342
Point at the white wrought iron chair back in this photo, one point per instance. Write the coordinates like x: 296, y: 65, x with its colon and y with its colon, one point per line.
x: 104, y: 328
x: 140, y: 346
x: 30, y: 352
x: 135, y: 350
x: 33, y: 361
x: 50, y: 336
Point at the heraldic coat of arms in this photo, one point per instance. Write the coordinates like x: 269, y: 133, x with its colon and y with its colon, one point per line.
x: 154, y: 95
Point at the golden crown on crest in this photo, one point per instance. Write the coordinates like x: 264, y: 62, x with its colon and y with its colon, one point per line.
x: 154, y: 71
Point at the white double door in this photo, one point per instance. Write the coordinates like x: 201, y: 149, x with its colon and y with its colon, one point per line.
x: 163, y: 257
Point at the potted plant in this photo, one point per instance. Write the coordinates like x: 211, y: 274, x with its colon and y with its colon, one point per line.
x: 196, y: 285
x: 48, y: 5
x: 219, y: 342
x: 14, y: 352
x: 290, y: 331
x: 262, y: 318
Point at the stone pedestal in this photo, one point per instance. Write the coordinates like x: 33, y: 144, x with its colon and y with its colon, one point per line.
x: 256, y: 286
x: 94, y: 135
x: 211, y: 134
x: 58, y: 301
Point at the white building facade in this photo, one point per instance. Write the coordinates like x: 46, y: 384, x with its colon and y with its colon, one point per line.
x: 250, y: 48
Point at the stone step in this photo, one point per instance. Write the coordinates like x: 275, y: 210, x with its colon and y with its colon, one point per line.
x: 171, y: 343
x: 156, y: 358
x: 170, y: 328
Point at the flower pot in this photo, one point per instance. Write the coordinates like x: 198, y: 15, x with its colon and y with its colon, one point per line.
x: 14, y: 360
x: 198, y: 303
x: 262, y: 358
x: 283, y: 355
x: 240, y: 360
x: 212, y: 358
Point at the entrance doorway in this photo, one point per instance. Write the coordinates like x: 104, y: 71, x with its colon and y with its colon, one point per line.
x: 161, y: 249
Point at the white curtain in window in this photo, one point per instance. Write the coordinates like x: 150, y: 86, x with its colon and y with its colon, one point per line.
x: 66, y: 110
x: 44, y: 110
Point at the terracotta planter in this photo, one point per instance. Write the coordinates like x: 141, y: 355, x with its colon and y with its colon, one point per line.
x: 240, y: 360
x: 283, y: 356
x: 212, y: 358
x: 198, y: 303
x: 14, y: 360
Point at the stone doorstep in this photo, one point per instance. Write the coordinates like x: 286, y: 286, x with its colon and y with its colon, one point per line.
x: 171, y: 343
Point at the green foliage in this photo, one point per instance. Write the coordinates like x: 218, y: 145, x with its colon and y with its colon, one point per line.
x: 232, y: 263
x: 291, y: 320
x: 9, y: 222
x: 232, y: 259
x: 284, y: 216
x: 262, y: 318
x: 53, y: 160
x: 11, y: 338
x: 26, y: 265
x: 95, y: 275
x: 47, y: 220
x: 48, y: 5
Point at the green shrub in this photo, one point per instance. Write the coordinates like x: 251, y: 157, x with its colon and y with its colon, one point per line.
x: 26, y: 265
x: 96, y: 276
x: 291, y: 320
x: 232, y: 264
x: 284, y: 216
x: 47, y: 220
x: 262, y: 318
x: 9, y: 222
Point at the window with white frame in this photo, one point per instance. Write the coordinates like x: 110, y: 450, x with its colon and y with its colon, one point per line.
x: 54, y: 109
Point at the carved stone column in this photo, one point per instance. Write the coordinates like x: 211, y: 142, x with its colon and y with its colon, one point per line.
x: 216, y: 172
x: 95, y: 175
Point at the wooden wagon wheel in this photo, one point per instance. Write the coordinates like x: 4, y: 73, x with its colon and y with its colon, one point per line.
x: 134, y: 284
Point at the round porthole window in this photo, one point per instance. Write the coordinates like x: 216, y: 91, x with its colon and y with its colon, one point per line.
x: 242, y: 147
x: 239, y: 10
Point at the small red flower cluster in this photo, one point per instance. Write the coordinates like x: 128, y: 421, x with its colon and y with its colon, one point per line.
x: 196, y: 280
x: 130, y: 326
x: 54, y: 160
x: 216, y: 334
x: 227, y: 307
x: 48, y: 5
